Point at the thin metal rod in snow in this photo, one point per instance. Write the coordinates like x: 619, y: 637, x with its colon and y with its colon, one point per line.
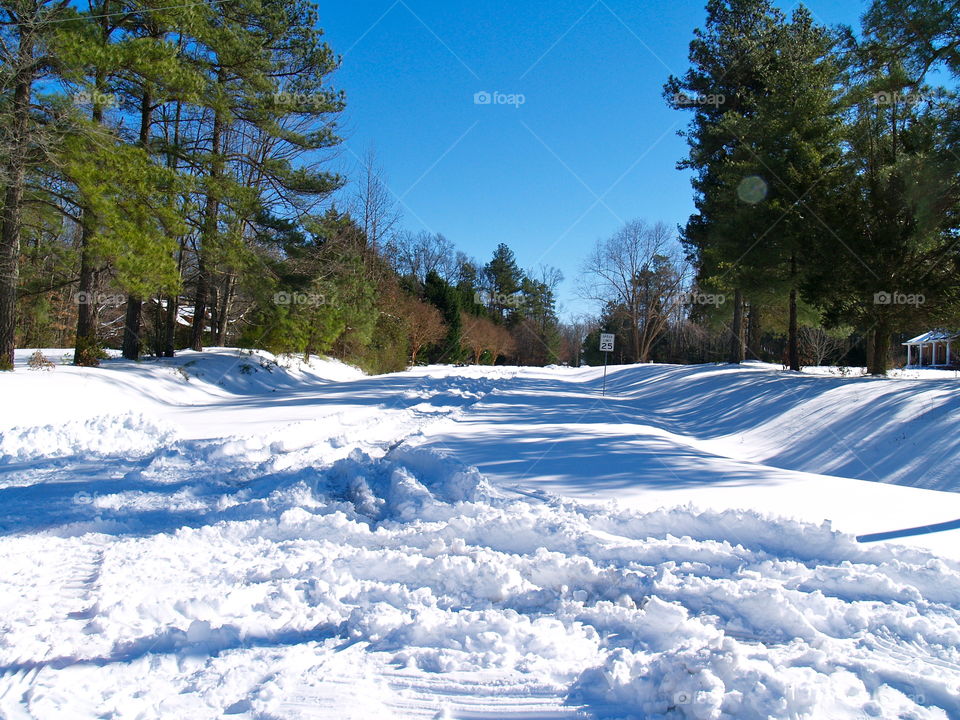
x: 603, y: 392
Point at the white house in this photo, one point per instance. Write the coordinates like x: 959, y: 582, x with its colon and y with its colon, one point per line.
x: 932, y: 349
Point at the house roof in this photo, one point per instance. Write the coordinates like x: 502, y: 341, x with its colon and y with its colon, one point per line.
x: 933, y: 336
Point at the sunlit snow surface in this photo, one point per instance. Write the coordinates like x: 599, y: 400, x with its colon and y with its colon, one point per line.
x: 229, y: 535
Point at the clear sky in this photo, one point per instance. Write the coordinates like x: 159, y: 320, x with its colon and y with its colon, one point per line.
x: 591, y: 145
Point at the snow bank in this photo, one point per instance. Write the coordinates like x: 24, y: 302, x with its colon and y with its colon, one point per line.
x: 127, y: 435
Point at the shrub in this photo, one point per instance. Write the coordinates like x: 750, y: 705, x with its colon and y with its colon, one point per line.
x: 39, y: 361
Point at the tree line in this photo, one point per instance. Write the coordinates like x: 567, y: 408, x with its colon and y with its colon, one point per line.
x: 165, y: 185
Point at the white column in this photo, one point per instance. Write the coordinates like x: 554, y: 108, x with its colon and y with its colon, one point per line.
x: 908, y: 356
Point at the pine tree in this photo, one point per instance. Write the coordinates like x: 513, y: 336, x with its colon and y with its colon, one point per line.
x: 765, y: 150
x: 503, y: 277
x: 29, y: 29
x: 895, y: 211
x: 267, y: 71
x: 442, y: 295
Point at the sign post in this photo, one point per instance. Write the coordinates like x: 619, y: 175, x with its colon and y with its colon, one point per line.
x: 606, y: 347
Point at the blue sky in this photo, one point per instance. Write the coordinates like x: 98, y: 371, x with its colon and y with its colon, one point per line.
x: 591, y: 146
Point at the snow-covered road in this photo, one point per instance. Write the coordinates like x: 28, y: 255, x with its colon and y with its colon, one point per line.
x: 220, y: 535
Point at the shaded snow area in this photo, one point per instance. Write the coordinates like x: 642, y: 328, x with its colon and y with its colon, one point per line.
x: 190, y: 539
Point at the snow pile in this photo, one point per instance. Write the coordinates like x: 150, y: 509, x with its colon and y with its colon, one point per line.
x: 252, y: 588
x: 127, y: 435
x: 255, y: 371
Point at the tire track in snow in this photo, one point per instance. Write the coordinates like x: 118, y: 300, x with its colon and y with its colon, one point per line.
x: 79, y: 588
x: 352, y: 684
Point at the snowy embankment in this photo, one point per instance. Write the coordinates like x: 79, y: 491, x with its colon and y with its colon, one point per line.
x: 308, y: 542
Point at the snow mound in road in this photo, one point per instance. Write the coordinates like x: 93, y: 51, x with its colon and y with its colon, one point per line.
x: 231, y: 587
x: 128, y: 435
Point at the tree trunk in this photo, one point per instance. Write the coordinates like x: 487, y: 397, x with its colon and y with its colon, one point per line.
x: 224, y: 311
x: 736, y: 341
x: 793, y: 338
x: 868, y: 343
x: 131, y: 328
x: 213, y: 302
x: 207, y: 233
x: 173, y: 300
x: 199, y: 303
x: 132, y: 320
x: 881, y: 349
x: 753, y: 332
x: 10, y: 229
x: 88, y: 314
x: 87, y: 301
x: 159, y: 317
x: 170, y: 326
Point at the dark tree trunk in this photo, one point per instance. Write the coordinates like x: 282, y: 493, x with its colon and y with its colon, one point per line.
x: 213, y: 302
x: 753, y: 333
x: 131, y: 323
x: 131, y: 328
x: 88, y: 308
x: 159, y: 317
x: 87, y: 348
x: 793, y: 337
x: 736, y: 340
x: 10, y: 227
x: 207, y: 234
x: 173, y: 307
x: 881, y: 349
x: 868, y: 344
x: 170, y: 327
x: 199, y: 303
x: 224, y: 311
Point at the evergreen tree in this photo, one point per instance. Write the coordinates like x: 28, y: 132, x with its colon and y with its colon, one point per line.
x: 503, y: 277
x: 895, y: 211
x: 442, y: 295
x: 765, y: 154
x: 29, y: 32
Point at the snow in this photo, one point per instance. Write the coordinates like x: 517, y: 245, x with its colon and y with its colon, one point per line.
x: 226, y: 534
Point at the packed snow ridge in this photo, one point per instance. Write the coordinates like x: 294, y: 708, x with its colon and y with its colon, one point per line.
x: 236, y: 535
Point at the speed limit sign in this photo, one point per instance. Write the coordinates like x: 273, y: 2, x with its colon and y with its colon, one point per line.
x: 606, y: 342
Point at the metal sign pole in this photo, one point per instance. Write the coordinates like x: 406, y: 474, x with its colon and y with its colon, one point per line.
x: 604, y: 392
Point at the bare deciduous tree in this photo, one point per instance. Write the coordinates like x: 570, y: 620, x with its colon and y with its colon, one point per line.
x: 819, y: 347
x: 639, y: 269
x: 574, y: 333
x: 420, y: 254
x: 376, y: 208
x: 481, y: 335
